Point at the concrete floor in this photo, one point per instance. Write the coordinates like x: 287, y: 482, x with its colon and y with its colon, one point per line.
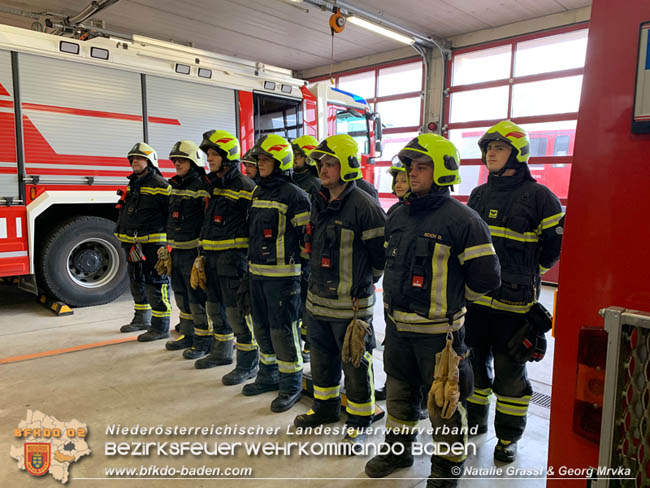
x: 133, y: 383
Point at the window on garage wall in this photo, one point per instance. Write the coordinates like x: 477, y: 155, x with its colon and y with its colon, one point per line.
x: 395, y: 91
x: 533, y: 80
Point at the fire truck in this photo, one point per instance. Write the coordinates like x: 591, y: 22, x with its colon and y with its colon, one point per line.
x: 69, y: 112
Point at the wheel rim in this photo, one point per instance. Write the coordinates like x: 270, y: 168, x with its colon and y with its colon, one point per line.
x: 93, y: 263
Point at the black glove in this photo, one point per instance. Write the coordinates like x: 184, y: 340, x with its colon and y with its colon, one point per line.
x: 540, y: 318
x: 244, y: 295
x: 528, y: 344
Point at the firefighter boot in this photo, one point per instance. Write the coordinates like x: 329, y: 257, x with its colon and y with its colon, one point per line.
x: 220, y: 354
x: 382, y: 465
x: 444, y: 473
x: 290, y: 391
x: 268, y: 379
x: 153, y: 335
x: 314, y: 419
x: 246, y: 369
x: 505, y: 451
x: 141, y: 321
x: 184, y: 340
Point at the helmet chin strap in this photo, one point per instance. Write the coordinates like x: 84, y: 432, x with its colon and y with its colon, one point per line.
x: 510, y: 164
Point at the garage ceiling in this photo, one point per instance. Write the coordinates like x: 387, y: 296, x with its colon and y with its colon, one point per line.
x: 290, y: 35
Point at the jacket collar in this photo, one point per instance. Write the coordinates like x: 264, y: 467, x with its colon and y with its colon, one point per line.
x: 426, y: 203
x: 229, y: 175
x: 502, y: 183
x: 194, y: 174
x: 322, y: 199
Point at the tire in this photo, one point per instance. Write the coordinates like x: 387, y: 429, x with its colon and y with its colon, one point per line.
x: 82, y: 263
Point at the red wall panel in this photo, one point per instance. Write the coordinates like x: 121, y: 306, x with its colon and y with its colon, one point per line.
x: 604, y: 254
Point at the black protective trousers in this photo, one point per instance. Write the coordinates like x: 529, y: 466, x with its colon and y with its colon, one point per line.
x: 488, y: 333
x: 275, y: 304
x: 326, y: 340
x: 190, y: 301
x: 222, y: 295
x: 409, y: 362
x: 148, y: 288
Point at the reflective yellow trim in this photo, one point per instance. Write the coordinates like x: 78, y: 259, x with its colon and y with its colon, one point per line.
x: 344, y: 302
x: 361, y: 409
x: 268, y: 359
x: 187, y: 316
x: 234, y: 195
x: 201, y: 332
x: 300, y: 219
x: 471, y: 295
x: 511, y: 234
x: 249, y: 324
x: 412, y: 322
x: 345, y: 263
x: 223, y: 245
x: 404, y: 426
x: 296, y: 343
x: 480, y: 396
x: 524, y: 400
x: 141, y: 306
x: 474, y: 252
x: 517, y: 406
x: 189, y: 193
x: 246, y: 347
x: 506, y: 307
x: 543, y: 270
x: 279, y: 241
x: 148, y: 190
x: 333, y: 313
x: 372, y: 233
x: 149, y: 238
x: 551, y: 221
x: 274, y: 270
x: 224, y: 337
x: 159, y: 314
x: 165, y: 299
x: 439, y: 268
x: 326, y: 393
x: 183, y: 244
x: 510, y: 410
x: 281, y: 207
x: 290, y: 366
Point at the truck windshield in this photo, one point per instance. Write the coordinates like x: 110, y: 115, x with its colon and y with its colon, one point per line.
x: 355, y: 124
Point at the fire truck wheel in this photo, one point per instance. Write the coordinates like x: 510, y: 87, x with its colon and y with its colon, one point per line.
x: 82, y: 263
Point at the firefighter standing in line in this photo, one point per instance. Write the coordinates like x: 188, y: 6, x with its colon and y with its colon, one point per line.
x: 305, y: 175
x: 141, y: 229
x: 250, y: 165
x: 526, y: 222
x: 186, y: 205
x: 277, y: 220
x: 224, y: 240
x: 438, y: 256
x: 347, y: 258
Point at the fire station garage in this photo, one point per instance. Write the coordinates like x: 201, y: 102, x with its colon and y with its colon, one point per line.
x: 324, y: 243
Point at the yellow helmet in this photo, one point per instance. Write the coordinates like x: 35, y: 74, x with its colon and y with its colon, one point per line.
x: 440, y: 151
x: 510, y: 133
x: 305, y: 145
x: 343, y: 148
x: 188, y: 150
x: 144, y: 150
x: 224, y: 143
x: 275, y: 147
x: 248, y: 158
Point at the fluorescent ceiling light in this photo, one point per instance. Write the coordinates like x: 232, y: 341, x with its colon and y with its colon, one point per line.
x: 380, y: 30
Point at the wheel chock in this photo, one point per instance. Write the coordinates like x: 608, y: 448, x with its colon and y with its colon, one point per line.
x: 59, y: 308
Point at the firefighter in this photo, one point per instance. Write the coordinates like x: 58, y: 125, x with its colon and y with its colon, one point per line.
x: 224, y: 240
x: 305, y: 175
x: 439, y: 255
x: 250, y: 165
x: 141, y: 229
x: 347, y: 258
x: 186, y: 205
x: 526, y: 222
x: 400, y: 187
x: 276, y: 222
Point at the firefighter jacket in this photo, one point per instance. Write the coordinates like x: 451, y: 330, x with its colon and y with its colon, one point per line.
x: 308, y: 180
x: 347, y: 253
x: 225, y: 227
x: 368, y: 188
x: 144, y: 209
x: 439, y: 255
x: 186, y: 205
x: 526, y: 222
x: 277, y: 218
